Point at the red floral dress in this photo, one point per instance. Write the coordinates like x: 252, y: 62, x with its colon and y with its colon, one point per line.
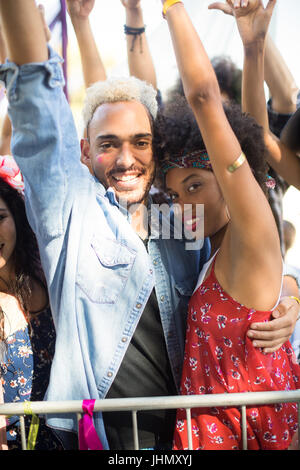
x: 220, y: 358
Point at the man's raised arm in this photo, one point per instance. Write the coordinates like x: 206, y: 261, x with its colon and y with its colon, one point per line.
x: 44, y: 139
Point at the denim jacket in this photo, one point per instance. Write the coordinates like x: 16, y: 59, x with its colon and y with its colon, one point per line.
x: 98, y: 271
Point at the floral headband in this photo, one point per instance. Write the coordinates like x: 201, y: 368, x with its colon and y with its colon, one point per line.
x: 10, y: 172
x: 199, y: 159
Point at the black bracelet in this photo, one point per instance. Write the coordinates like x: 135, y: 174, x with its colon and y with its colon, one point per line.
x: 135, y: 32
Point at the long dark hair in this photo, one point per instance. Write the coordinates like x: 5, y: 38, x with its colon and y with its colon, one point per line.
x: 26, y: 254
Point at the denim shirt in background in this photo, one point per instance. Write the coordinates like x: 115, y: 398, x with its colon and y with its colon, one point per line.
x: 98, y: 272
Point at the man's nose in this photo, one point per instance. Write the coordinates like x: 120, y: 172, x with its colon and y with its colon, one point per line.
x: 125, y: 156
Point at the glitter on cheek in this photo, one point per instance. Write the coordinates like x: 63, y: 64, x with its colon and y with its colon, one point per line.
x: 102, y: 157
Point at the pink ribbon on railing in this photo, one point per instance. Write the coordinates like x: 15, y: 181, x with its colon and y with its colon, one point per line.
x: 88, y: 437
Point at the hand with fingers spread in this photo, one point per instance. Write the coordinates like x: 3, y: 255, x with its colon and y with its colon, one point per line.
x: 251, y: 16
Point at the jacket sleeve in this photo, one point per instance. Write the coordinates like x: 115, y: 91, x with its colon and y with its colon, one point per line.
x: 44, y: 142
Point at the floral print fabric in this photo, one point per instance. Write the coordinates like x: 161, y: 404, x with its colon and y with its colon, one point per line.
x: 25, y: 372
x: 220, y: 358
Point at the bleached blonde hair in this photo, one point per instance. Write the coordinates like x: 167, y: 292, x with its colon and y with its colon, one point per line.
x: 117, y: 89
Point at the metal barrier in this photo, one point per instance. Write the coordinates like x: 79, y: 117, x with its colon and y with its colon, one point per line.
x: 240, y: 400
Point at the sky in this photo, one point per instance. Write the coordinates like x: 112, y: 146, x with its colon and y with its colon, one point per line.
x: 217, y: 31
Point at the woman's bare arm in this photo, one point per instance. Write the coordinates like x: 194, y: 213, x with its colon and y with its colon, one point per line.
x: 92, y: 66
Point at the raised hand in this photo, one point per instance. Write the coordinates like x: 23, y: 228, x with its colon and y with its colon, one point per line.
x: 92, y: 66
x: 80, y: 9
x: 46, y: 29
x: 131, y: 3
x: 252, y: 17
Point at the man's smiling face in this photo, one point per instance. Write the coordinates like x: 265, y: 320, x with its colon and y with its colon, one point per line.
x: 119, y: 149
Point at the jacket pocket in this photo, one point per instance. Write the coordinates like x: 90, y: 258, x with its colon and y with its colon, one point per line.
x: 104, y: 270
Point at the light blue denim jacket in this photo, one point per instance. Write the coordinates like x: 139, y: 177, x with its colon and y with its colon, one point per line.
x: 98, y: 272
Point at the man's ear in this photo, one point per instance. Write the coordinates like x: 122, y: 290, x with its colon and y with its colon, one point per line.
x: 85, y: 153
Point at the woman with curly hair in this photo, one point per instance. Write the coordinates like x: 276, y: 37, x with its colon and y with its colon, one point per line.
x: 224, y: 169
x: 27, y: 334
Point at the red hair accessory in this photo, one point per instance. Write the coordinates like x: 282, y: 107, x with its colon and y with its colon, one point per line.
x: 10, y: 172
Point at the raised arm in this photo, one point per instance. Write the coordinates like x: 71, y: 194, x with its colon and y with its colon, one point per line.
x: 6, y: 124
x: 254, y: 102
x: 92, y: 67
x: 253, y: 22
x: 280, y: 81
x: 6, y: 130
x: 139, y: 57
x: 25, y: 40
x: 282, y: 159
x: 3, y: 48
x: 44, y: 139
x: 203, y: 94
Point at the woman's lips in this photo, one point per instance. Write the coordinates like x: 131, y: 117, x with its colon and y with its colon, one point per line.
x: 191, y: 224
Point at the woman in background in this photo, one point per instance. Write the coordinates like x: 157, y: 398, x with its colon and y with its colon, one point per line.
x: 27, y: 331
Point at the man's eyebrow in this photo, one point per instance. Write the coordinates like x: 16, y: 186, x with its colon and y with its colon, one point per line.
x: 107, y: 136
x: 141, y: 135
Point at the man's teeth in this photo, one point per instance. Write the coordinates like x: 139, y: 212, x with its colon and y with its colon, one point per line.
x: 126, y: 178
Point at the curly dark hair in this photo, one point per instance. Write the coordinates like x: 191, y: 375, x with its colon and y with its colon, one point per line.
x: 229, y: 77
x: 26, y: 253
x: 177, y: 132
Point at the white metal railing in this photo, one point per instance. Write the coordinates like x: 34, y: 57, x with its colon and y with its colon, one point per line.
x: 241, y: 400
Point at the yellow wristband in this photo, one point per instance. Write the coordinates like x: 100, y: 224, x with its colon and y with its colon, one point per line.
x: 298, y: 302
x: 168, y: 4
